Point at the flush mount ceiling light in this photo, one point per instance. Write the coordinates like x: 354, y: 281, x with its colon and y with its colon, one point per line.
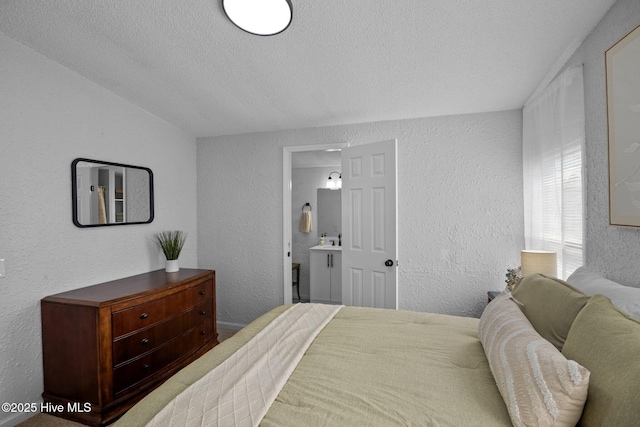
x: 260, y: 17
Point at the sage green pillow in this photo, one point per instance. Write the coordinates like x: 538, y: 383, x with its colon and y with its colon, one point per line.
x: 606, y: 341
x: 550, y: 304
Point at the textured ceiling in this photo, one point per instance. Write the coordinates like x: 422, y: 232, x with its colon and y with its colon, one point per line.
x: 339, y: 62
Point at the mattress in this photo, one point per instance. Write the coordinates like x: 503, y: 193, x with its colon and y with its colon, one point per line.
x: 368, y: 367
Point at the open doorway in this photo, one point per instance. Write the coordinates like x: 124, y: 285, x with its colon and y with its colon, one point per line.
x: 310, y: 198
x: 305, y: 169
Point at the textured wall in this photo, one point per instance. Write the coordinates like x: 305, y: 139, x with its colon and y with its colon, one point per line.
x: 460, y: 209
x: 49, y: 116
x: 611, y: 251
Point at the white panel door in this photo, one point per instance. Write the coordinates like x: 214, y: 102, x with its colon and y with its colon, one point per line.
x: 83, y: 195
x: 369, y: 225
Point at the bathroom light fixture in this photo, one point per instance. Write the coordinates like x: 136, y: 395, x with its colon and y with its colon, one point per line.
x: 334, y: 184
x: 259, y: 17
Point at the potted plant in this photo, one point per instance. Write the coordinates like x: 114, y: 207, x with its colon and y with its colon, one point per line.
x: 171, y: 243
x: 514, y: 275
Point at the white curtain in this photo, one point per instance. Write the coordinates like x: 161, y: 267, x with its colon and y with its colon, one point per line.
x: 553, y: 141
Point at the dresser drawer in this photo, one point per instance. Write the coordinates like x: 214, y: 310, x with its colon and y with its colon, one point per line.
x: 137, y: 370
x: 131, y: 346
x: 144, y: 315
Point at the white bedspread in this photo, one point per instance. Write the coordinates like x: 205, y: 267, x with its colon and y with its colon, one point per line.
x: 240, y: 391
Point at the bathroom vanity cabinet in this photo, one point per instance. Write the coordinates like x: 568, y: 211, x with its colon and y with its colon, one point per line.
x: 326, y: 274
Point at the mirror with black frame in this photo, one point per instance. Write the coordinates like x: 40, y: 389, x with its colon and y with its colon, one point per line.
x: 107, y: 193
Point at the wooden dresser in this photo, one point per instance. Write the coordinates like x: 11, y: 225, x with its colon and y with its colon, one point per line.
x: 106, y: 346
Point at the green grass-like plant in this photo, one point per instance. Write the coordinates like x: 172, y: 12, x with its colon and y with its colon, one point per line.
x: 171, y: 243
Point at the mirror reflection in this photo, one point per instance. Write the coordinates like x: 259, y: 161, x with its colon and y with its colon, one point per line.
x: 329, y: 212
x: 106, y: 193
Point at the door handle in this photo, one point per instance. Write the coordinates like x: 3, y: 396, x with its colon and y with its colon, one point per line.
x: 388, y: 263
x: 331, y: 260
x: 328, y: 263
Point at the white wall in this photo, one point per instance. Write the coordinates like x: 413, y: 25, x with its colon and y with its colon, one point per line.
x: 611, y: 251
x: 49, y: 116
x: 460, y: 210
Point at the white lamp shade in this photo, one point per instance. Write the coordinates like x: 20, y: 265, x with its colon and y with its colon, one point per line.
x: 543, y: 262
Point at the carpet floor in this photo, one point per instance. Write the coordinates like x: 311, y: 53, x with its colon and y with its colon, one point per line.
x: 45, y: 420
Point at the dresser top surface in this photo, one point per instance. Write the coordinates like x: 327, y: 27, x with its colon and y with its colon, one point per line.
x: 128, y: 287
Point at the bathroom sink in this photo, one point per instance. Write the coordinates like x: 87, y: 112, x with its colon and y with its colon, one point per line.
x: 326, y: 247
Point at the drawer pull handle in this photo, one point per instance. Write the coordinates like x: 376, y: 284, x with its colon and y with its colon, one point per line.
x: 203, y: 332
x: 202, y: 312
x: 144, y: 341
x: 144, y: 315
x: 145, y: 366
x: 202, y: 292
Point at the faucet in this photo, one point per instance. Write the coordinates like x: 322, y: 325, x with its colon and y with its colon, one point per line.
x: 333, y: 243
x: 339, y: 239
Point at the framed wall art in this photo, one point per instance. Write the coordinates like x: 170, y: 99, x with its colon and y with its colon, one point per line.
x: 623, y: 117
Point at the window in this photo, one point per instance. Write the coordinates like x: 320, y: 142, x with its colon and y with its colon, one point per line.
x: 553, y: 140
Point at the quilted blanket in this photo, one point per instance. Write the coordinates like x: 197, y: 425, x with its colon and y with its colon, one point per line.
x: 240, y: 391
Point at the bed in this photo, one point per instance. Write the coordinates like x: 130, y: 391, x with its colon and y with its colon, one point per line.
x: 533, y: 358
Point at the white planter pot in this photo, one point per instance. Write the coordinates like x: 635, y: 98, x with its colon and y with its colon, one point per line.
x: 171, y: 266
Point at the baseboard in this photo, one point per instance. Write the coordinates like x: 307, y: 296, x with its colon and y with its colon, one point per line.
x: 16, y: 419
x: 229, y: 325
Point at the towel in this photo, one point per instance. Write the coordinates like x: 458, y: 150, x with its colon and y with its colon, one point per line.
x: 102, y: 209
x: 305, y: 222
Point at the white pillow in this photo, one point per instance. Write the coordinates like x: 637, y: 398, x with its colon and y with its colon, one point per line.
x: 539, y: 386
x: 625, y: 297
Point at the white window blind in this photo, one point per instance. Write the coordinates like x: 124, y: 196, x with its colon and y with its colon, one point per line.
x: 553, y: 140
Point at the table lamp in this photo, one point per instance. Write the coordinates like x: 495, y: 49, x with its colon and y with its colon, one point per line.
x: 543, y: 262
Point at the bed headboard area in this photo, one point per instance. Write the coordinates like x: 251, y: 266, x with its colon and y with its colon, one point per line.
x: 594, y: 322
